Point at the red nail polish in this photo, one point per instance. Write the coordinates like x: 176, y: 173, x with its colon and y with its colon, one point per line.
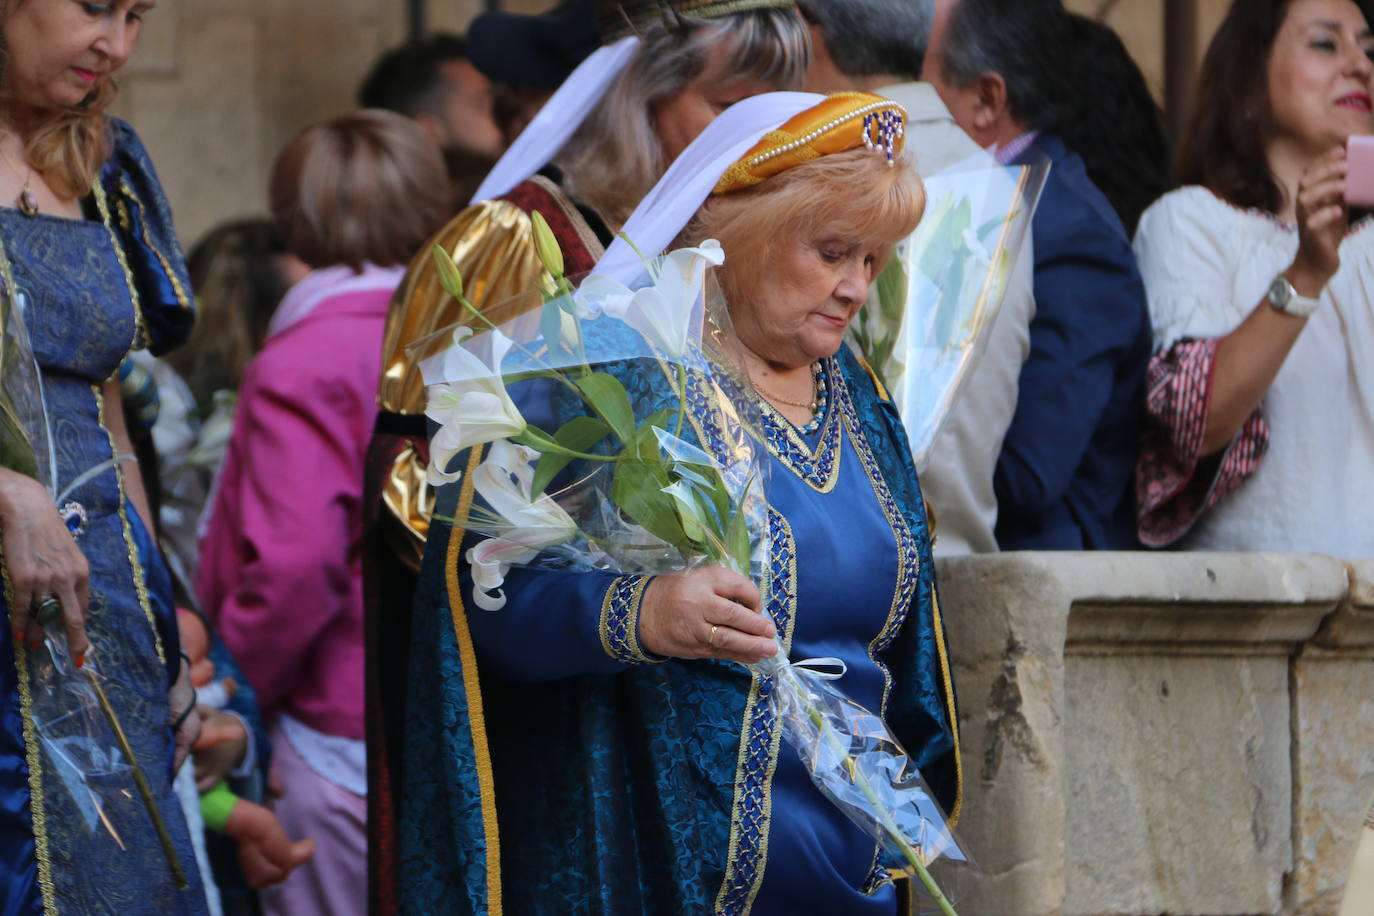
x: 80, y: 659
x: 35, y: 644
x: 18, y: 634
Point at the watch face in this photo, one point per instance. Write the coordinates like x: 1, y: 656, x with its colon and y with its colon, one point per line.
x: 1280, y: 293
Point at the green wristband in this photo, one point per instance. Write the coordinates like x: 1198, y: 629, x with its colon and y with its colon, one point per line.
x: 216, y: 806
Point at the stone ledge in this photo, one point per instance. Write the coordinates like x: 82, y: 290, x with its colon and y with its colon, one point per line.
x: 1152, y: 733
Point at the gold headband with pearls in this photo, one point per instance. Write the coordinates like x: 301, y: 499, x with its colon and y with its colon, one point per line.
x: 844, y: 121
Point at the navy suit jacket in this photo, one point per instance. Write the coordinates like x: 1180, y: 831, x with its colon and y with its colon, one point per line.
x: 1064, y: 480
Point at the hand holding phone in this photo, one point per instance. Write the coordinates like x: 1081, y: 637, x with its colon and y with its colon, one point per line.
x: 1359, y: 180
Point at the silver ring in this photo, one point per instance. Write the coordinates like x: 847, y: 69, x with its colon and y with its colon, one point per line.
x: 711, y: 640
x: 46, y: 608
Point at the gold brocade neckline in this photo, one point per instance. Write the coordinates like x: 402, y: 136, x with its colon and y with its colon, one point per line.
x: 819, y: 464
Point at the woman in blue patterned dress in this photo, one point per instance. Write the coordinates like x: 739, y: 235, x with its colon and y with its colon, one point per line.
x: 96, y: 272
x: 592, y: 747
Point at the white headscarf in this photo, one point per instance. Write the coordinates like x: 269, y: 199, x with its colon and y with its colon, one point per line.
x: 665, y: 211
x: 559, y: 119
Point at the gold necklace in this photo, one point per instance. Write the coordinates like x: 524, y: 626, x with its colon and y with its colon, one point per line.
x: 27, y: 201
x: 810, y: 405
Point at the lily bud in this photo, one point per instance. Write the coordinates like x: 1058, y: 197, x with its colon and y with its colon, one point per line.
x: 550, y: 255
x: 450, y: 277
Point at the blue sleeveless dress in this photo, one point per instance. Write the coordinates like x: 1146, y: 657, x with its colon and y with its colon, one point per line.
x: 90, y: 291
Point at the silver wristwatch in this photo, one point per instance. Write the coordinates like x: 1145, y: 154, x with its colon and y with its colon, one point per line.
x: 1288, y: 300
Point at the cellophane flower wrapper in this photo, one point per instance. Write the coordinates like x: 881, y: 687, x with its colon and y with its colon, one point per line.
x: 79, y: 746
x: 653, y: 500
x: 25, y: 443
x: 578, y: 470
x: 928, y: 320
x: 857, y: 763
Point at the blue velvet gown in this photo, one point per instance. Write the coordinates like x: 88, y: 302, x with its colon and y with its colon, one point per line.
x: 90, y: 290
x: 552, y: 764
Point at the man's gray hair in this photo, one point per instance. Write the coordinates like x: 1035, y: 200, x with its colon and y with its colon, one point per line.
x: 873, y: 37
x: 1024, y: 42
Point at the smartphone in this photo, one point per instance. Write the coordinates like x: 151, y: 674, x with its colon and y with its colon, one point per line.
x: 1359, y: 180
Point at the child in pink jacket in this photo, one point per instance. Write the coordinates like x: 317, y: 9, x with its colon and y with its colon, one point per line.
x: 280, y: 573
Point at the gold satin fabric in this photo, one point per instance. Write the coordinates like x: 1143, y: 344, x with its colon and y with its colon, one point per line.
x: 492, y: 243
x: 408, y: 504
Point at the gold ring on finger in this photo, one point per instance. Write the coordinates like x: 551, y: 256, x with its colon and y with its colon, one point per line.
x: 711, y: 640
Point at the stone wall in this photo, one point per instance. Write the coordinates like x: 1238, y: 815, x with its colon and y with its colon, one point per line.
x: 217, y: 86
x: 1162, y: 733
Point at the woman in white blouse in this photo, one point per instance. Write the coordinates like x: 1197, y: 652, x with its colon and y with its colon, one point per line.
x: 1261, y: 291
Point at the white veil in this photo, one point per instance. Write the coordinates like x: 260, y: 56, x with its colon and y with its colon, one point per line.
x: 546, y: 135
x: 666, y: 210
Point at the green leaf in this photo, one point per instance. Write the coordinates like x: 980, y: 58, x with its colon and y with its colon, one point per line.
x: 581, y: 433
x: 578, y: 434
x: 985, y: 230
x: 737, y: 540
x: 608, y: 397
x: 659, y: 418
x: 450, y: 277
x: 688, y: 510
x: 892, y: 283
x: 638, y: 491
x: 551, y: 328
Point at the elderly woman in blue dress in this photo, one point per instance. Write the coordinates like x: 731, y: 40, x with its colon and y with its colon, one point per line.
x: 593, y: 746
x: 96, y: 271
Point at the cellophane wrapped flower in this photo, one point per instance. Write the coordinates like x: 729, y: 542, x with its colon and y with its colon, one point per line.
x: 939, y: 296
x: 578, y: 473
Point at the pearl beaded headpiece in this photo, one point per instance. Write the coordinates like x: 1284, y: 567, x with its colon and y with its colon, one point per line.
x: 844, y: 121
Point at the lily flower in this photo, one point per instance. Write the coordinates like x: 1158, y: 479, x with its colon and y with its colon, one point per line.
x: 503, y: 480
x: 470, y: 403
x: 662, y: 311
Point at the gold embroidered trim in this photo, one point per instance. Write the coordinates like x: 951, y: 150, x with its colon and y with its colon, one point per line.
x: 781, y: 536
x: 878, y: 876
x: 953, y: 713
x: 33, y: 756
x: 135, y: 566
x: 140, y: 329
x: 182, y: 299
x: 472, y: 686
x: 737, y: 806
x: 873, y: 374
x: 619, y: 623
x: 800, y: 458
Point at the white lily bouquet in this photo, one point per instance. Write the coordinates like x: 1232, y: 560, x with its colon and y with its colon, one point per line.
x: 620, y: 436
x: 942, y: 290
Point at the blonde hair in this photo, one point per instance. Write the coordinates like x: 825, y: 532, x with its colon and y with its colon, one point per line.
x: 854, y: 194
x: 369, y: 186
x: 616, y: 156
x: 69, y: 149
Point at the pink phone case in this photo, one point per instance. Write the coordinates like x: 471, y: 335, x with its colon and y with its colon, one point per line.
x: 1359, y: 181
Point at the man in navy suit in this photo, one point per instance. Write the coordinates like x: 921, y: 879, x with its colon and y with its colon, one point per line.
x: 1064, y: 478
